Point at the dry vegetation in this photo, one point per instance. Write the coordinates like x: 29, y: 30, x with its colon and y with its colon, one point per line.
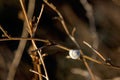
x: 60, y: 40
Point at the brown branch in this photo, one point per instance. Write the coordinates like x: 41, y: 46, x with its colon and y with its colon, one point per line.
x: 4, y: 32
x: 15, y: 39
x: 101, y: 56
x: 38, y: 19
x: 33, y: 42
x: 37, y: 73
x: 70, y: 36
x: 88, y: 68
x: 26, y: 16
x: 62, y: 22
x: 90, y: 16
x: 21, y: 46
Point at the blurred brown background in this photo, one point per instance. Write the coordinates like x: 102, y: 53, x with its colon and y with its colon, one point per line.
x: 107, y: 23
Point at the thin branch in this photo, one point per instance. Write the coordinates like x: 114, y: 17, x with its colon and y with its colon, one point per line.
x: 91, y: 59
x: 14, y: 39
x: 26, y: 17
x: 33, y: 42
x: 4, y: 32
x: 37, y: 73
x: 101, y: 56
x: 73, y: 31
x: 39, y: 17
x: 89, y: 11
x: 90, y: 16
x: 70, y: 36
x: 88, y: 68
x: 62, y: 22
x: 41, y: 59
x: 67, y: 49
x: 62, y: 47
x: 22, y: 43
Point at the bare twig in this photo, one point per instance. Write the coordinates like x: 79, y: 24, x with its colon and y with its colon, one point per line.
x: 62, y: 22
x: 70, y: 36
x: 90, y: 16
x: 4, y: 32
x: 41, y: 60
x: 91, y: 59
x: 26, y: 17
x: 94, y: 50
x: 39, y: 17
x: 33, y: 42
x: 39, y: 70
x: 101, y: 56
x: 73, y: 31
x: 37, y: 73
x: 21, y: 46
x: 89, y: 13
x: 89, y: 70
x: 15, y: 39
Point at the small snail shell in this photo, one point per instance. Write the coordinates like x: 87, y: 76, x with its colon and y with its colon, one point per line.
x: 74, y: 54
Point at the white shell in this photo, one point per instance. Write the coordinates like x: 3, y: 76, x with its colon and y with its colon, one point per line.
x: 74, y: 54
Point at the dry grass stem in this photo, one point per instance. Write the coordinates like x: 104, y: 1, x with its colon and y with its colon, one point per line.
x: 15, y: 39
x: 29, y: 29
x: 62, y: 22
x: 84, y: 56
x: 21, y: 46
x: 39, y: 70
x: 26, y: 17
x: 33, y: 42
x: 62, y: 47
x: 94, y: 50
x: 4, y: 32
x: 39, y: 53
x: 89, y: 12
x: 38, y: 19
x: 91, y: 59
x: 59, y: 46
x: 90, y: 16
x: 37, y: 73
x: 106, y: 63
x: 88, y: 68
x: 73, y: 31
x: 70, y: 36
